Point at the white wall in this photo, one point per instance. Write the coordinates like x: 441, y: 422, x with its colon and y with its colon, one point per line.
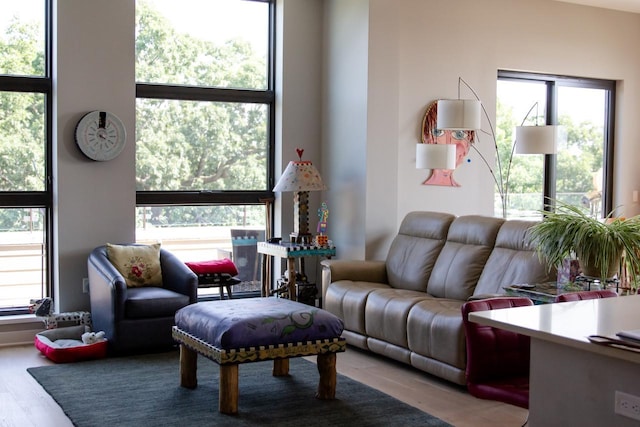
x: 298, y: 97
x: 430, y: 44
x: 345, y: 147
x: 94, y: 201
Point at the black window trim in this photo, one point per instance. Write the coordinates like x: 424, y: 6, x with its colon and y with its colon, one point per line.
x: 216, y: 94
x: 37, y: 199
x: 552, y: 81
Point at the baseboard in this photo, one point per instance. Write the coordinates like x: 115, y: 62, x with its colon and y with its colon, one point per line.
x: 19, y: 330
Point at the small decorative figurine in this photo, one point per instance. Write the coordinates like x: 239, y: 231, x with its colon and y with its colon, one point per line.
x: 323, y: 213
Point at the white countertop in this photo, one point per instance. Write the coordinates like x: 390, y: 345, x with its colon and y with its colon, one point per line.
x: 570, y: 323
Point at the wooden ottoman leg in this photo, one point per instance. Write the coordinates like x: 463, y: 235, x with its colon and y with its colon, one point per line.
x: 188, y: 367
x: 327, y: 370
x: 280, y: 367
x: 228, y: 393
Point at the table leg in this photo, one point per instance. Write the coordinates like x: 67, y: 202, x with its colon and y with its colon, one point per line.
x: 266, y: 277
x: 280, y: 367
x: 327, y: 370
x: 228, y: 392
x: 188, y: 367
x: 291, y: 268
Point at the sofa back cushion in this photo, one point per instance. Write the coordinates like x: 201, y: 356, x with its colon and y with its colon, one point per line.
x: 513, y: 260
x: 469, y: 243
x: 415, y: 249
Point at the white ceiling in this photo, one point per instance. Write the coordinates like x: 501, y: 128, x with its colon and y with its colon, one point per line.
x: 624, y: 5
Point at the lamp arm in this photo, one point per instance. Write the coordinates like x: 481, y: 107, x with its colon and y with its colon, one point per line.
x: 493, y: 174
x: 513, y: 149
x: 495, y: 179
x: 492, y: 133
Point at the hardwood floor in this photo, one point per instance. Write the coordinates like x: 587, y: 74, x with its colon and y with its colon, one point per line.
x: 23, y: 403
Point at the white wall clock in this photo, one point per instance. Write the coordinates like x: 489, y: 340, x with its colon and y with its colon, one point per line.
x: 100, y: 135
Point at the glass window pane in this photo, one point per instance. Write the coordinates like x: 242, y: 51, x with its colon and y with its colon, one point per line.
x: 22, y: 141
x: 221, y: 43
x: 581, y: 158
x: 517, y: 106
x: 202, y: 233
x: 22, y: 256
x: 22, y: 38
x: 188, y: 145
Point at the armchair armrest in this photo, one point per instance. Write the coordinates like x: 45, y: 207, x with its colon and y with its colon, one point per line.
x: 177, y: 277
x: 334, y: 270
x: 107, y: 291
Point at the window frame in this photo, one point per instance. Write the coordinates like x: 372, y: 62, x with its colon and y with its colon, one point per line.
x: 216, y: 94
x: 37, y: 199
x: 552, y: 82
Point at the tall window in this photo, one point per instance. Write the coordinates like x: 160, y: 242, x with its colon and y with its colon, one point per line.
x: 580, y: 173
x: 25, y: 154
x: 204, y: 123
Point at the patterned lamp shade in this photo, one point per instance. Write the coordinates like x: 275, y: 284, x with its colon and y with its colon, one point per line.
x: 300, y: 176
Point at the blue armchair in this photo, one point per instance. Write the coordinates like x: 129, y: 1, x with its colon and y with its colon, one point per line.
x: 138, y: 319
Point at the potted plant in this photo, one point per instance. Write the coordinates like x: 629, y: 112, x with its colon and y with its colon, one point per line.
x: 599, y: 244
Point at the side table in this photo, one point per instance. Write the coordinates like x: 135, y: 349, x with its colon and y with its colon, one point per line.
x: 541, y: 293
x: 291, y: 252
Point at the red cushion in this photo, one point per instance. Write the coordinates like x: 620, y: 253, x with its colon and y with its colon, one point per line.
x: 220, y: 266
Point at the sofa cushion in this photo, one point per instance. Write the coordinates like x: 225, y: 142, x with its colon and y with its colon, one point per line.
x: 347, y: 300
x: 513, y: 260
x: 435, y: 330
x: 468, y: 246
x: 415, y: 248
x: 385, y: 315
x: 149, y: 302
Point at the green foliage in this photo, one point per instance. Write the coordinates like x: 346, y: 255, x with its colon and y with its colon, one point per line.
x: 180, y: 145
x: 197, y: 145
x: 569, y: 231
x: 22, y: 115
x: 577, y: 162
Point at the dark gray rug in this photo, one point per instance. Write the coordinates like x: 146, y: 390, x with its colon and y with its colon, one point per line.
x: 144, y: 390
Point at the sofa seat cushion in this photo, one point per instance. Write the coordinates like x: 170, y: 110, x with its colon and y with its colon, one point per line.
x: 347, y: 299
x: 386, y: 314
x: 149, y: 302
x: 435, y: 330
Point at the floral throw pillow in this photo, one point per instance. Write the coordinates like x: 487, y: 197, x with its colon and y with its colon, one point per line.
x: 138, y: 264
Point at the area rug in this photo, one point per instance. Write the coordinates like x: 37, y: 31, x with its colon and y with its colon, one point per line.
x: 144, y: 390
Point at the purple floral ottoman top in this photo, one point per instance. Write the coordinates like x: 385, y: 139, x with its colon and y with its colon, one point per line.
x: 252, y: 322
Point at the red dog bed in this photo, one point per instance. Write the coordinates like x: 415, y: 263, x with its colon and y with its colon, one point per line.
x: 63, y: 345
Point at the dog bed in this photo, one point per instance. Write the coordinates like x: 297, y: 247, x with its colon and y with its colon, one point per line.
x: 63, y: 345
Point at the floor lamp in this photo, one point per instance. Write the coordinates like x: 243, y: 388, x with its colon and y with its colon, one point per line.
x: 466, y: 114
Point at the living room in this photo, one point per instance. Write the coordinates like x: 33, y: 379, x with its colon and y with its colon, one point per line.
x: 353, y: 80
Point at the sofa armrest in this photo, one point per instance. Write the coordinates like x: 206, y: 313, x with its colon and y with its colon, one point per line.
x: 334, y: 270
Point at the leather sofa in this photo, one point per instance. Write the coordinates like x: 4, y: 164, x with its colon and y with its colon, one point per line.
x: 408, y: 307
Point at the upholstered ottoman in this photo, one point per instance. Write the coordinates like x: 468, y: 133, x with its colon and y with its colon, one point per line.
x: 231, y: 332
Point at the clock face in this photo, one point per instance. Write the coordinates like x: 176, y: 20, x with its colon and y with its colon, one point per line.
x: 100, y: 135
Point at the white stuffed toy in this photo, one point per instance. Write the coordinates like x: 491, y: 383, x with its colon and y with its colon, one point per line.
x: 93, y: 337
